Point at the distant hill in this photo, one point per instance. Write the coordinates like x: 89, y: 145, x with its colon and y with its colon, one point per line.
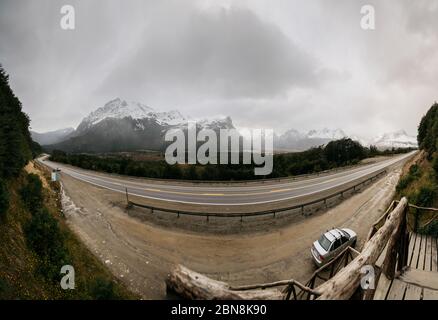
x: 51, y: 137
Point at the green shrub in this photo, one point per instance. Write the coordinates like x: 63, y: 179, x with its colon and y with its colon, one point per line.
x: 32, y: 193
x: 4, y: 198
x: 413, y: 174
x: 45, y: 238
x: 415, y: 171
x: 431, y: 229
x: 103, y: 290
x: 425, y: 196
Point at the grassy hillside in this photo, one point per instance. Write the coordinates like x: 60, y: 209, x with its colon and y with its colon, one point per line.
x: 36, y: 243
x: 419, y: 182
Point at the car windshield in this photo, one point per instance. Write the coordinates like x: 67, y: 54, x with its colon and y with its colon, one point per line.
x: 324, y: 242
x: 345, y: 235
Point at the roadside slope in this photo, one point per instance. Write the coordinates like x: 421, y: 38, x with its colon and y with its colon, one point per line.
x: 22, y: 270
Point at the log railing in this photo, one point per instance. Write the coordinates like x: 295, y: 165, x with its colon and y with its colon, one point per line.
x: 192, y: 285
x: 323, y: 274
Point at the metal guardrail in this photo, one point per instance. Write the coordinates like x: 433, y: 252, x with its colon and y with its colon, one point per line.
x: 272, y: 212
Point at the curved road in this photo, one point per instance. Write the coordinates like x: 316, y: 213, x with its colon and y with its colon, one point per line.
x: 227, y: 195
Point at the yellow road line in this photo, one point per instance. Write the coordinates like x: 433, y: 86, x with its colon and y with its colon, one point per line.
x: 217, y: 194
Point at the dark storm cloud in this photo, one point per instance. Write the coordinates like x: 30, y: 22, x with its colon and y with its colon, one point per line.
x: 225, y: 53
x: 302, y: 64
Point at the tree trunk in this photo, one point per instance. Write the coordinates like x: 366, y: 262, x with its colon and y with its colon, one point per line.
x: 192, y: 285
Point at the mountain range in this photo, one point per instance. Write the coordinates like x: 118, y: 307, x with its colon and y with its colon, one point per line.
x: 126, y: 126
x: 294, y: 140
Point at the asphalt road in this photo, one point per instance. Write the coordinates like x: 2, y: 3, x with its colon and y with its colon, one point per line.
x: 228, y: 195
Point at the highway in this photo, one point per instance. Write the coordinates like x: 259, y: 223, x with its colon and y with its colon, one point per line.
x: 230, y: 194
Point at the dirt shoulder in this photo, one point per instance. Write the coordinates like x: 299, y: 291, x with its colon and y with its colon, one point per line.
x: 141, y: 253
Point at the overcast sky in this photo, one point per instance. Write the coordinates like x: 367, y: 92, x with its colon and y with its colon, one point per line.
x: 268, y: 64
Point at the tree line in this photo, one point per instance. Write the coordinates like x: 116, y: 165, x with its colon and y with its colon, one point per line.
x: 335, y: 154
x: 16, y: 145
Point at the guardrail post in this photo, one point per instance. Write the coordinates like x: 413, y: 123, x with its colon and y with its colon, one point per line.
x: 127, y: 198
x: 302, y: 210
x: 274, y: 214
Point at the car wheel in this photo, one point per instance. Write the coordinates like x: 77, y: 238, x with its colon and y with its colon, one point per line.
x: 354, y: 243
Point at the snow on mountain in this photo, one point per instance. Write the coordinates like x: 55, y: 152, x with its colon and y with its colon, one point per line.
x: 173, y: 117
x: 397, y: 139
x: 132, y: 121
x: 293, y: 134
x: 294, y: 140
x: 326, y: 134
x: 363, y: 141
x: 297, y: 141
x: 118, y: 109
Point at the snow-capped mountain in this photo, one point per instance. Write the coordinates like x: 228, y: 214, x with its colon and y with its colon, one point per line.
x: 326, y: 134
x: 294, y: 140
x: 125, y: 126
x: 120, y: 109
x: 397, y: 139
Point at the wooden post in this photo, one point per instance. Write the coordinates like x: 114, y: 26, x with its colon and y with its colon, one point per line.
x: 394, y: 248
x: 404, y: 243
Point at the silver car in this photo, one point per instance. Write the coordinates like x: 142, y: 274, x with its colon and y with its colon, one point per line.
x: 331, y: 244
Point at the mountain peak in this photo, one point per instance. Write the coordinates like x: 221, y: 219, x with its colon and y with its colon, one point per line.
x: 395, y: 139
x: 327, y: 134
x: 118, y: 109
